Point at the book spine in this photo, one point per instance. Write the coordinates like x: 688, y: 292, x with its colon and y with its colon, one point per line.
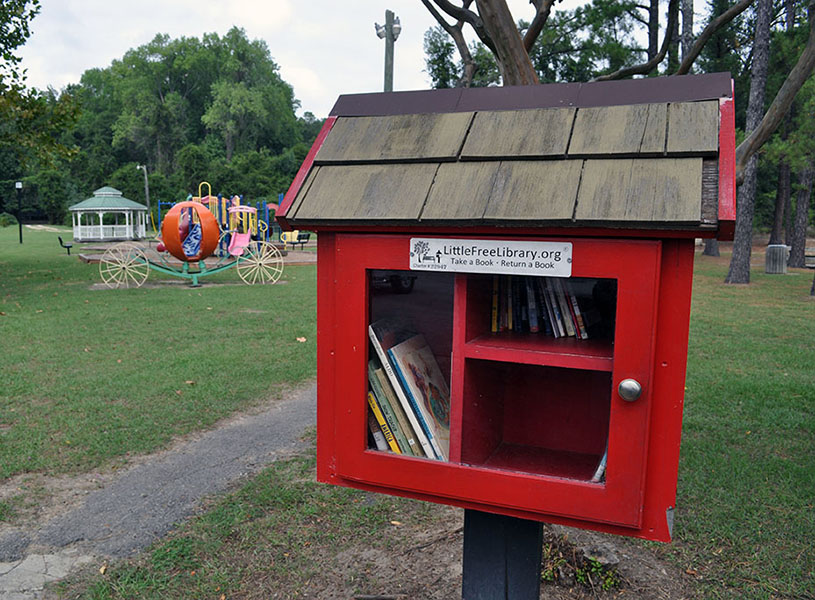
x: 404, y: 423
x: 383, y: 424
x: 387, y: 411
x: 564, y: 308
x: 581, y: 325
x: 555, y: 308
x: 400, y: 393
x: 551, y: 328
x: 510, y: 305
x: 534, y: 326
x: 600, y: 471
x: 502, y: 303
x: 376, y: 432
x: 494, y: 316
x: 417, y: 410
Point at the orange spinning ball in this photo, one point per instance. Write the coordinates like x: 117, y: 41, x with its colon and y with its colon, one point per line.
x: 175, y: 228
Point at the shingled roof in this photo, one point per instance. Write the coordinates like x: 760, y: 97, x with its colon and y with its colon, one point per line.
x: 634, y: 154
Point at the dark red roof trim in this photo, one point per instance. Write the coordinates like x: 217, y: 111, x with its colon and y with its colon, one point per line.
x: 680, y: 88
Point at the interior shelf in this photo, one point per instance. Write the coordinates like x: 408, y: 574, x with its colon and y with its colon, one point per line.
x: 543, y: 461
x: 592, y: 354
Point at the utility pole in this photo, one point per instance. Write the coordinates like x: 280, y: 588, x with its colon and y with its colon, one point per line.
x: 390, y: 32
x: 19, y: 186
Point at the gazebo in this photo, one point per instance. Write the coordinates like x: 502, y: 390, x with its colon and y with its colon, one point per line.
x: 108, y: 216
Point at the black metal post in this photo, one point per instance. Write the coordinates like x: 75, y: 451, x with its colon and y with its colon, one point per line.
x: 19, y: 187
x: 502, y: 557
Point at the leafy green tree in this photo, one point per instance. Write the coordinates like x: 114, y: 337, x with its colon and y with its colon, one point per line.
x: 30, y: 121
x: 440, y: 64
x: 15, y: 16
x: 54, y: 193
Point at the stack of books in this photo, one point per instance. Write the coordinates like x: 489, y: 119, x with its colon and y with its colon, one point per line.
x: 536, y: 305
x: 408, y: 396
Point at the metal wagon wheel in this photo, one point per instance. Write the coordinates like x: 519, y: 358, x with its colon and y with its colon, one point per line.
x: 124, y: 265
x: 262, y: 263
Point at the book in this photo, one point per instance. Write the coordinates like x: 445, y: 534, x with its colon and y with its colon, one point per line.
x: 401, y: 417
x: 384, y: 334
x: 547, y: 307
x: 426, y: 389
x: 509, y: 303
x: 494, y: 315
x: 543, y: 313
x: 387, y: 410
x: 566, y: 314
x: 600, y: 471
x: 558, y: 318
x: 383, y: 424
x: 578, y: 316
x: 376, y: 432
x: 534, y: 326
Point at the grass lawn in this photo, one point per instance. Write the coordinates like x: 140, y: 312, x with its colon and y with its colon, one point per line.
x: 745, y: 517
x: 92, y: 375
x: 746, y: 496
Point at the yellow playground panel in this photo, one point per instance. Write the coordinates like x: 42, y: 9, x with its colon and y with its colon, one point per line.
x: 244, y: 221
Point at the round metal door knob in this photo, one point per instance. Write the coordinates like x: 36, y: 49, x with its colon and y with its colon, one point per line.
x: 629, y: 389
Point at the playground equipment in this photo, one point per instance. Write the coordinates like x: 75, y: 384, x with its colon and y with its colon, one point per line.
x: 261, y: 222
x: 191, y: 233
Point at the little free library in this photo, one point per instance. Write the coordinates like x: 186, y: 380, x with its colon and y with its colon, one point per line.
x: 504, y: 286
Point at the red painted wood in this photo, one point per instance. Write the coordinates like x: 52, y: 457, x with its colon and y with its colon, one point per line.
x: 727, y: 169
x: 302, y: 173
x: 634, y: 263
x: 326, y: 366
x: 542, y: 350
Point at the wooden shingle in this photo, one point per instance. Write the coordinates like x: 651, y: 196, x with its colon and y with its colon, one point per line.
x: 693, y: 127
x: 395, y: 137
x: 390, y: 192
x: 631, y: 129
x: 534, y: 190
x: 521, y: 133
x: 461, y: 191
x: 665, y: 190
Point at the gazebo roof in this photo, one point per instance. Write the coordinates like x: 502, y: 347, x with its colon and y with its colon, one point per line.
x: 107, y: 198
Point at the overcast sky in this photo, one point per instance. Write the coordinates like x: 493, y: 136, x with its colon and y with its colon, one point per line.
x: 324, y: 48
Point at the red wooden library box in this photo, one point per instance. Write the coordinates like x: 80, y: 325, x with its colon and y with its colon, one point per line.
x: 526, y: 253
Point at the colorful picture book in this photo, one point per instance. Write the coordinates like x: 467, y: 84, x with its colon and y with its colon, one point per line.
x: 412, y: 385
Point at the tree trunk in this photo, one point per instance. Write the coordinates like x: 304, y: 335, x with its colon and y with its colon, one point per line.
x: 653, y: 29
x: 739, y: 271
x: 687, y: 27
x: 513, y: 60
x: 673, y: 48
x: 788, y: 217
x: 782, y: 198
x: 711, y: 247
x: 782, y: 101
x: 799, y: 230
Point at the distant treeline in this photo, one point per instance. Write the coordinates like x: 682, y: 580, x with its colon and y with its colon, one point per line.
x: 212, y: 109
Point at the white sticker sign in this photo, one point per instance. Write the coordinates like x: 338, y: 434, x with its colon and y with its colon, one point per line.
x: 553, y: 259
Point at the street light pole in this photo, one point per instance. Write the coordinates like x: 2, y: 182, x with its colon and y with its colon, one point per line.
x: 19, y: 186
x: 146, y: 186
x: 390, y: 32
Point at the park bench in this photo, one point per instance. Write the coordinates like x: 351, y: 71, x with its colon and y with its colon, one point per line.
x: 295, y: 238
x: 65, y: 245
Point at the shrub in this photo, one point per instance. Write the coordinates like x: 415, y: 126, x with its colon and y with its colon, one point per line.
x: 6, y: 220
